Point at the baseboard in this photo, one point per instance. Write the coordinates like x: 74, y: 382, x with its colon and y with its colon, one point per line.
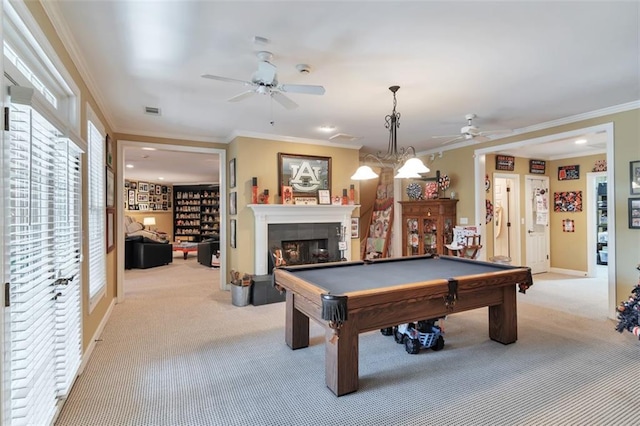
x: 96, y: 336
x: 568, y: 272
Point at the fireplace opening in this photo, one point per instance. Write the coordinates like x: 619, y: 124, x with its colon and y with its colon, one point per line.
x: 302, y: 252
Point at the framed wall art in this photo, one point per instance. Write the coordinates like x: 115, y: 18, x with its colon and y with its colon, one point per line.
x: 306, y: 174
x: 233, y: 203
x: 110, y: 229
x: 143, y: 186
x: 110, y: 186
x: 109, y: 151
x: 232, y: 173
x: 355, y: 227
x: 569, y: 172
x: 570, y: 201
x: 232, y: 233
x: 634, y: 177
x: 634, y: 213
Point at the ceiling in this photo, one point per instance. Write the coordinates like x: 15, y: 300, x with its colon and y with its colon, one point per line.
x: 515, y: 64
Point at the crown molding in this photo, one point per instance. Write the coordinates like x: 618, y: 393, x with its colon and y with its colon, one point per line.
x: 53, y: 13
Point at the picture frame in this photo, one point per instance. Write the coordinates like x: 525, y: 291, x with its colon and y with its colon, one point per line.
x: 355, y: 228
x: 634, y: 177
x: 634, y: 213
x: 111, y: 243
x: 232, y: 233
x: 505, y: 162
x: 110, y: 188
x: 143, y: 186
x: 324, y: 196
x: 232, y: 173
x: 233, y: 203
x: 142, y: 198
x: 306, y: 174
x: 109, y: 151
x: 571, y: 172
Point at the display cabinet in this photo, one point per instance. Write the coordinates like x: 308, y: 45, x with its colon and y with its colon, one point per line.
x: 427, y: 225
x: 603, y: 240
x: 196, y: 212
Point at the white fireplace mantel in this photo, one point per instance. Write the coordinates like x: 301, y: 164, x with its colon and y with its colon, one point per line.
x: 267, y: 214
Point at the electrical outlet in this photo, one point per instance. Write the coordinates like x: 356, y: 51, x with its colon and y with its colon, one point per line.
x: 464, y: 221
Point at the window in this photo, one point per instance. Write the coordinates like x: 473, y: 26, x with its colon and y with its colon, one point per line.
x: 97, y: 211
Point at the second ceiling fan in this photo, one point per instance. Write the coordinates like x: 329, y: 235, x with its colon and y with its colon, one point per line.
x: 265, y: 82
x: 470, y: 131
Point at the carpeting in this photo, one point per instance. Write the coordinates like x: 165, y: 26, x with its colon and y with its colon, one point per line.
x: 177, y: 352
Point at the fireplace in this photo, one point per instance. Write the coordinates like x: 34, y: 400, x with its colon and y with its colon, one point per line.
x: 276, y: 224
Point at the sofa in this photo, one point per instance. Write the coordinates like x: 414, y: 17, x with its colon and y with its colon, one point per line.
x: 206, y: 250
x: 144, y: 248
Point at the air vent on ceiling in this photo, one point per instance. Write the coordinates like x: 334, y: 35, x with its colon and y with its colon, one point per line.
x: 343, y: 137
x: 152, y: 110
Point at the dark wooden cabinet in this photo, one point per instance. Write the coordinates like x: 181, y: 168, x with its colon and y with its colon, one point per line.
x: 196, y: 212
x: 427, y: 225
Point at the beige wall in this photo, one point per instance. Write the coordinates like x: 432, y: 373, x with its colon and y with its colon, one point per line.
x: 259, y: 158
x: 459, y: 165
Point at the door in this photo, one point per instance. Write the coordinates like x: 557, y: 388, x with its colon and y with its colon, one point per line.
x: 42, y: 244
x: 537, y: 223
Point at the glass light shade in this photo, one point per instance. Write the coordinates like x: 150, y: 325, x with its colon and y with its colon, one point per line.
x: 364, y: 173
x: 415, y: 165
x: 406, y: 174
x: 149, y: 221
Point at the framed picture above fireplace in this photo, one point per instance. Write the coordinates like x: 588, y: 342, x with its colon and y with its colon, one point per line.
x: 306, y: 174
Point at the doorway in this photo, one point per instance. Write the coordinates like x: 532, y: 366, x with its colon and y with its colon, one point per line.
x: 121, y: 147
x: 606, y: 131
x: 537, y: 223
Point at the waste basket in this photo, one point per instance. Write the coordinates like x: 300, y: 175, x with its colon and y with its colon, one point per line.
x: 240, y: 295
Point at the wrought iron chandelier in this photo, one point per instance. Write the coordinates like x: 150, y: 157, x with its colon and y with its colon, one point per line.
x: 411, y: 165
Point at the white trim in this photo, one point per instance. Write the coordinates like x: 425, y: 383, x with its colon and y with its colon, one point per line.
x: 96, y: 337
x: 266, y: 214
x: 568, y: 272
x: 52, y: 10
x: 120, y: 147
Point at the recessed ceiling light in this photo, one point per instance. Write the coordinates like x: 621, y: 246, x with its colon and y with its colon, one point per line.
x: 580, y: 141
x: 160, y: 178
x: 327, y: 128
x: 129, y: 166
x: 146, y: 148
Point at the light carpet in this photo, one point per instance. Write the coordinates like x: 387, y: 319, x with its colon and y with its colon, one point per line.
x: 177, y: 352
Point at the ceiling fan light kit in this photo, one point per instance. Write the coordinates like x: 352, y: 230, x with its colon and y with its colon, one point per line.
x: 264, y: 81
x: 411, y: 165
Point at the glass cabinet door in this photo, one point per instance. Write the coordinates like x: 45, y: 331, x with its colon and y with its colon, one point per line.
x: 413, y: 237
x: 430, y: 236
x: 448, y: 231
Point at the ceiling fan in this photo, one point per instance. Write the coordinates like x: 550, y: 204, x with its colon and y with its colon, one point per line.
x: 265, y: 82
x: 470, y: 131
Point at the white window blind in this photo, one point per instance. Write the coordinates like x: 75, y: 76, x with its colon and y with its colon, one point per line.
x: 97, y: 213
x: 37, y: 187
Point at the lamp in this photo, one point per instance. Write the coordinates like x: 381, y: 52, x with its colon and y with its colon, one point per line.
x: 412, y: 166
x: 149, y: 221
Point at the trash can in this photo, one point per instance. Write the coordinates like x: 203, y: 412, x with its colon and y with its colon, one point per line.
x: 240, y: 295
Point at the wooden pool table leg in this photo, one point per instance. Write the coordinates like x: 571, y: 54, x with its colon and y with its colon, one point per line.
x: 503, y: 319
x: 341, y: 359
x: 296, y: 325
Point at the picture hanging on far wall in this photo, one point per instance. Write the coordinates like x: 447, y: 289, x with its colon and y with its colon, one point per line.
x: 568, y: 225
x: 232, y: 233
x: 634, y: 213
x: 570, y: 201
x: 306, y: 174
x: 233, y: 203
x: 232, y: 173
x: 634, y: 175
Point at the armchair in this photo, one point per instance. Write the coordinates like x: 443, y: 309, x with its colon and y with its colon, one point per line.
x: 206, y: 250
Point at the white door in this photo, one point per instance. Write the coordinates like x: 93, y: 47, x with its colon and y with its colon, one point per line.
x: 537, y: 223
x: 42, y: 244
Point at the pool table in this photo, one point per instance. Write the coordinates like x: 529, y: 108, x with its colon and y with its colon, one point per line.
x: 349, y: 298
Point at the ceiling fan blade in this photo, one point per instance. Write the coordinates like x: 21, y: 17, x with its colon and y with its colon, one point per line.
x: 481, y: 138
x: 302, y: 88
x: 457, y: 138
x: 241, y: 96
x: 226, y: 79
x: 445, y: 136
x: 283, y: 100
x: 494, y: 132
